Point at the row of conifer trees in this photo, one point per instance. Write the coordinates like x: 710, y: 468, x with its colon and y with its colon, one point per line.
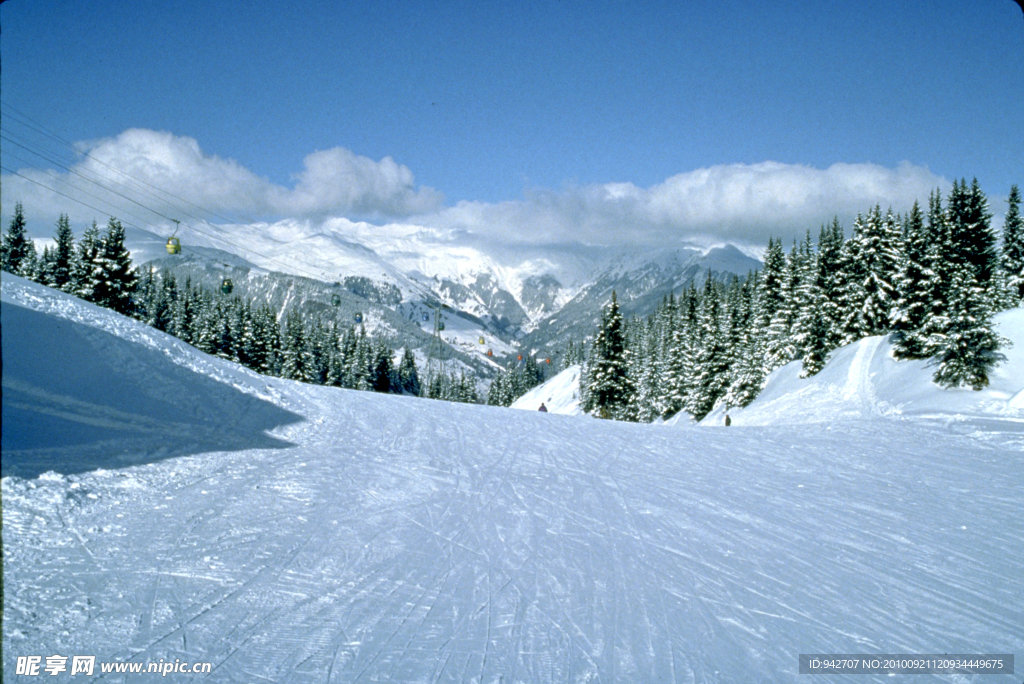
x: 98, y: 268
x: 932, y: 280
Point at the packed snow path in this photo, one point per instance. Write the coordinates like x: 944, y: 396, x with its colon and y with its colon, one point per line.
x: 416, y: 541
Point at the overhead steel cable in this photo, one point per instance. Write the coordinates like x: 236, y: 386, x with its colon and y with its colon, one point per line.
x: 83, y: 177
x: 245, y: 249
x: 43, y: 130
x: 58, y: 192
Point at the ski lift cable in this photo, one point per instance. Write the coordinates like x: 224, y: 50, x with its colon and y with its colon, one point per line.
x: 78, y: 173
x: 58, y: 192
x: 34, y: 149
x: 222, y: 240
x: 44, y: 131
x: 51, y: 173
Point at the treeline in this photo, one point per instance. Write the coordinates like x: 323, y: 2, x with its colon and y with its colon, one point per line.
x: 320, y: 351
x: 932, y: 280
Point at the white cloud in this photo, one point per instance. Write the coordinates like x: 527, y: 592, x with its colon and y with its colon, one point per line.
x: 739, y: 202
x: 333, y: 182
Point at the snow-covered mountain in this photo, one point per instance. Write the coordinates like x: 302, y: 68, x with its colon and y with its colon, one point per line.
x: 514, y: 297
x: 164, y: 506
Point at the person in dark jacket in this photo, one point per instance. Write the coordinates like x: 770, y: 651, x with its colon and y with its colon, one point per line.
x: 543, y: 408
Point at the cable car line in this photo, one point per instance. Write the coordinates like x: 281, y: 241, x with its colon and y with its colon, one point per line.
x: 56, y: 177
x: 245, y: 249
x: 43, y: 130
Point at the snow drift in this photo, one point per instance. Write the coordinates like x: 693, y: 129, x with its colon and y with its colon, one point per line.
x: 383, y: 538
x: 559, y: 394
x: 864, y: 380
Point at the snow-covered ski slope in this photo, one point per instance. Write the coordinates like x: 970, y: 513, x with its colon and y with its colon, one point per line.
x: 864, y: 380
x: 341, y: 536
x: 559, y: 394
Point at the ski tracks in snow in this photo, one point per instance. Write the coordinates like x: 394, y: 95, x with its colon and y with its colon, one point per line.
x: 471, y: 544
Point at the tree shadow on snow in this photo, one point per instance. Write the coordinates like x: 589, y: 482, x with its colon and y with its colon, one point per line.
x: 76, y: 398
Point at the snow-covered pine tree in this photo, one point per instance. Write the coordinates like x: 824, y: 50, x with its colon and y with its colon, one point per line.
x: 711, y: 370
x: 382, y: 367
x: 805, y: 297
x: 244, y: 331
x: 293, y: 346
x: 64, y: 255
x: 116, y: 277
x: 609, y: 388
x: 573, y: 355
x: 970, y: 348
x: 147, y: 295
x: 316, y: 352
x: 879, y: 240
x: 408, y: 375
x: 1013, y: 248
x: 915, y: 286
x: 972, y: 239
x: 361, y: 364
x: 852, y: 293
x: 681, y: 326
x: 18, y: 252
x: 939, y: 262
x: 45, y: 266
x: 811, y: 328
x: 647, y: 404
x: 779, y: 344
x: 86, y: 273
x: 828, y: 260
x: 164, y: 318
x: 746, y: 375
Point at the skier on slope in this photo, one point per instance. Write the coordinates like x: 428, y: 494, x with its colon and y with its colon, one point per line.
x: 543, y: 408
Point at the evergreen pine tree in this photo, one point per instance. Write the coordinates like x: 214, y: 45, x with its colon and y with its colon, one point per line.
x: 970, y: 348
x: 86, y: 272
x: 64, y: 255
x: 746, y: 375
x: 117, y: 277
x: 779, y: 344
x: 970, y: 231
x: 382, y: 367
x: 18, y: 252
x: 293, y: 348
x: 879, y: 237
x: 914, y: 288
x: 711, y: 370
x: 1013, y: 248
x: 45, y: 268
x: 852, y: 293
x: 610, y: 389
x: 408, y: 375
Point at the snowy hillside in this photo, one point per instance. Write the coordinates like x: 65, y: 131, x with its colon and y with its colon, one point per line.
x: 294, y: 533
x: 864, y: 380
x: 560, y: 394
x: 511, y: 290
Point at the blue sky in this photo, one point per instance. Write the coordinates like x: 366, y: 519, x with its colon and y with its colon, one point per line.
x: 617, y: 120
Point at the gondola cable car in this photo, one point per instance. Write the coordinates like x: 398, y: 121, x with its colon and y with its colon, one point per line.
x: 226, y: 286
x: 173, y: 243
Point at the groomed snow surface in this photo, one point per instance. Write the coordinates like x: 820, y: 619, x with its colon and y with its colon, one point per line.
x: 159, y: 503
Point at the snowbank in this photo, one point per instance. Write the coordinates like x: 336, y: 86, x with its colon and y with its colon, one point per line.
x: 559, y: 394
x: 864, y: 379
